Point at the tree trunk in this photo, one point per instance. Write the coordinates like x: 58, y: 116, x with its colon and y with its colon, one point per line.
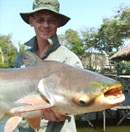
x: 2, y: 55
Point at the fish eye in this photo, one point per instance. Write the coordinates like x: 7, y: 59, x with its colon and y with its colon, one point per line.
x: 82, y: 102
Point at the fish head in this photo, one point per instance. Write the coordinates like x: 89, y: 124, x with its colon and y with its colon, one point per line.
x: 95, y: 92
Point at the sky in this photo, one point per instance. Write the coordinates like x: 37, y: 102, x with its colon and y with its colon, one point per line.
x: 83, y: 14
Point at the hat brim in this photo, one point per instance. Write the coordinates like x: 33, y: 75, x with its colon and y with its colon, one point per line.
x: 25, y: 16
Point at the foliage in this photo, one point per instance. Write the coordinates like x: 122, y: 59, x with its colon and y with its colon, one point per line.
x: 113, y: 32
x: 7, y: 51
x: 89, y: 35
x: 72, y: 40
x: 21, y: 47
x: 124, y: 67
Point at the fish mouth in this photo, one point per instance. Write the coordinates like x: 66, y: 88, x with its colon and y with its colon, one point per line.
x: 114, y: 95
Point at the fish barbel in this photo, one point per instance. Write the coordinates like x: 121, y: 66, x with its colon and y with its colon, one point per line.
x: 68, y: 90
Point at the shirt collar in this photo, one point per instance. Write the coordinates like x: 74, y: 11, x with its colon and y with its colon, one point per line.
x: 54, y: 44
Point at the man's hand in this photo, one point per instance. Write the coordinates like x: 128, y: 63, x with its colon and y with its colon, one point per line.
x: 50, y: 115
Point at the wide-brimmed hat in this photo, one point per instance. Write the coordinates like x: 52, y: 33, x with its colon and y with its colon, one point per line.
x: 51, y: 5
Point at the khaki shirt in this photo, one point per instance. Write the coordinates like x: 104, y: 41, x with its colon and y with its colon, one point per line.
x: 59, y: 53
x: 64, y: 55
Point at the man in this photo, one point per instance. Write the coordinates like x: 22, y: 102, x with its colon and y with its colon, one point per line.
x: 45, y: 18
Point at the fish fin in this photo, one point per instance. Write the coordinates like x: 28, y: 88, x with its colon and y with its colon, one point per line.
x: 34, y: 123
x: 31, y: 100
x: 30, y: 108
x: 30, y: 58
x: 32, y: 103
x: 12, y: 123
x: 1, y: 116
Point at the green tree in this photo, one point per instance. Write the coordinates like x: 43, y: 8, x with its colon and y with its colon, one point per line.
x: 72, y: 40
x: 114, y: 31
x: 88, y: 37
x: 21, y: 47
x: 7, y: 51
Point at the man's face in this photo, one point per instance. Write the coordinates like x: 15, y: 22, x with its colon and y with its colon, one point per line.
x: 45, y: 24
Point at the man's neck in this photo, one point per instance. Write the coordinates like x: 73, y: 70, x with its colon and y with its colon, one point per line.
x: 43, y: 46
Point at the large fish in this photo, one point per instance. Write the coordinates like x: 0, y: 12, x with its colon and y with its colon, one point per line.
x: 48, y: 84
